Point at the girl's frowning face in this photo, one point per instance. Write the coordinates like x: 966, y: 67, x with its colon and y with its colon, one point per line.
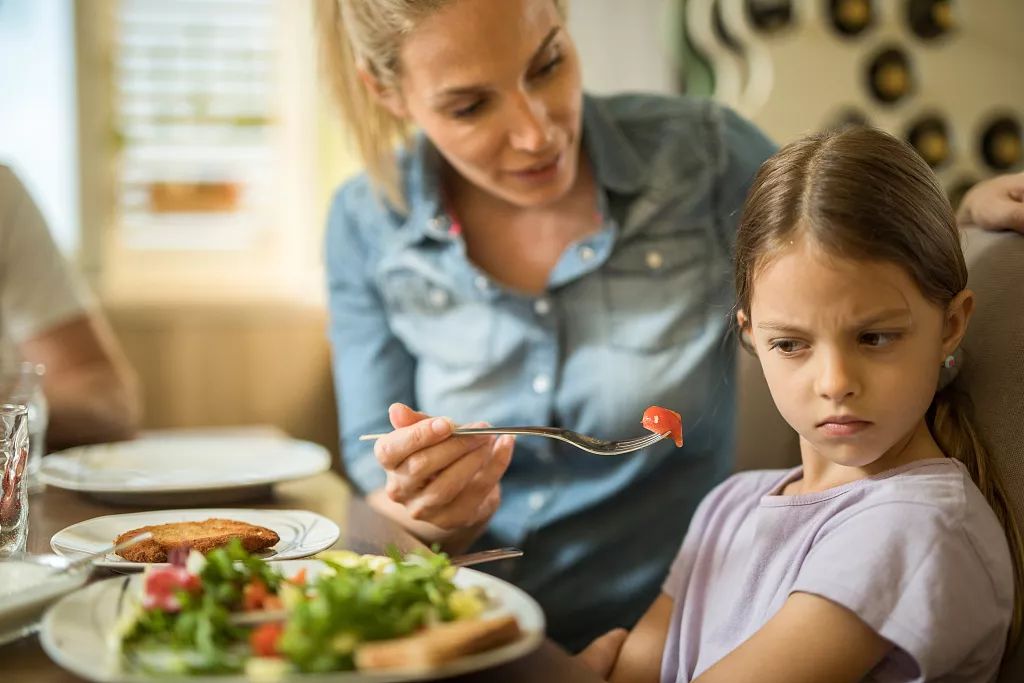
x: 496, y: 87
x: 851, y: 349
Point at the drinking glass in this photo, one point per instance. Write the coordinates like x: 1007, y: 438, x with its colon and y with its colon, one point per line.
x: 14, y: 456
x: 22, y: 384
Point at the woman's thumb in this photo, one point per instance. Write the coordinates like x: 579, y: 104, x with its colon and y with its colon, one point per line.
x: 601, y: 654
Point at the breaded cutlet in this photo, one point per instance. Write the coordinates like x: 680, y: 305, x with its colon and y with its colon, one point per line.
x: 201, y: 536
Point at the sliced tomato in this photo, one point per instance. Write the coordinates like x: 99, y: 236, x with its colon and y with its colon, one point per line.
x: 254, y: 595
x: 161, y: 585
x: 300, y: 578
x: 661, y: 420
x: 263, y: 639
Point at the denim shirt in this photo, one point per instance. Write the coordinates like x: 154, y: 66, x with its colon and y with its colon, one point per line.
x: 636, y: 314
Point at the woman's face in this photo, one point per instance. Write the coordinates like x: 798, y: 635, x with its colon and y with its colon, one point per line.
x: 496, y: 87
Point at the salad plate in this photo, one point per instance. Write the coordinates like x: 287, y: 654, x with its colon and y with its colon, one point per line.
x: 88, y: 632
x: 183, y: 469
x: 302, y: 533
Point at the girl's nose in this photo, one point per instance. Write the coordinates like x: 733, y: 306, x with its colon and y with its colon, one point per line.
x: 836, y: 379
x: 530, y: 129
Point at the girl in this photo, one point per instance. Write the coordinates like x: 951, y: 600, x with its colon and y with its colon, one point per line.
x: 890, y: 555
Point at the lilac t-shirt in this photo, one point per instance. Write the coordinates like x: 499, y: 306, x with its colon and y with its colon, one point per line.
x: 915, y: 552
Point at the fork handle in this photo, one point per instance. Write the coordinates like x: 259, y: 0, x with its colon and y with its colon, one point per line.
x: 551, y: 431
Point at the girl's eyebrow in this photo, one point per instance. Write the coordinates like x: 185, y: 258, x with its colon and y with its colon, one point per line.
x: 458, y: 90
x: 873, y: 319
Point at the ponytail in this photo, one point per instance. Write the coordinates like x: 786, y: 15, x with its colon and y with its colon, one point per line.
x: 374, y: 129
x: 950, y: 422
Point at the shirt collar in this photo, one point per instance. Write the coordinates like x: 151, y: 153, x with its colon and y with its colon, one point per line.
x: 616, y: 164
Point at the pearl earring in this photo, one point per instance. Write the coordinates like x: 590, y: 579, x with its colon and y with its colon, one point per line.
x: 949, y: 362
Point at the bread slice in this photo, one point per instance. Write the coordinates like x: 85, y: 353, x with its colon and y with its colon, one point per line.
x: 438, y: 644
x: 201, y: 536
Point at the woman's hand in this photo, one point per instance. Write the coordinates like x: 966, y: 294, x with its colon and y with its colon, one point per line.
x: 995, y: 204
x: 451, y: 482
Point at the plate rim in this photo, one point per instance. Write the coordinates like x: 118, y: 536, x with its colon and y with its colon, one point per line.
x: 108, y: 564
x: 529, y: 642
x: 317, y: 452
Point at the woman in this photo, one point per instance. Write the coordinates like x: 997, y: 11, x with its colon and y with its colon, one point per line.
x: 534, y: 256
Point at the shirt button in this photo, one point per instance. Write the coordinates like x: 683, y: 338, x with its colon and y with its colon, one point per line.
x: 481, y: 283
x: 541, y: 306
x: 587, y: 253
x: 536, y: 501
x: 541, y: 383
x: 439, y: 298
x: 654, y: 260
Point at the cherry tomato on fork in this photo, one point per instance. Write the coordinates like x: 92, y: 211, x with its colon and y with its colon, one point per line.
x: 661, y: 420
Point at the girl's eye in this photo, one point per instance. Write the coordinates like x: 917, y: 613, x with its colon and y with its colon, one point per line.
x: 878, y: 339
x: 786, y: 347
x: 547, y: 67
x: 468, y: 110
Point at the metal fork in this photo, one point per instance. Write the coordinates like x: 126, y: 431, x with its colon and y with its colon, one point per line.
x: 581, y: 441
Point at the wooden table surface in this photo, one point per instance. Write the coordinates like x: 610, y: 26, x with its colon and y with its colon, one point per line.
x: 363, y: 530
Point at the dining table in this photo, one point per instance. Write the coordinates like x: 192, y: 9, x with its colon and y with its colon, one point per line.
x: 362, y: 529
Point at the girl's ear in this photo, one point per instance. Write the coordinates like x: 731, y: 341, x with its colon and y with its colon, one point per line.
x: 386, y: 96
x: 746, y: 337
x: 958, y: 315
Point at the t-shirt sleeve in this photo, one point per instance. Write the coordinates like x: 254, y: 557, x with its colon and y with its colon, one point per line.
x: 37, y: 288
x: 913, y: 576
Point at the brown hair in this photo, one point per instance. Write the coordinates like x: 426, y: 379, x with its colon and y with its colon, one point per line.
x: 368, y: 34
x: 861, y: 193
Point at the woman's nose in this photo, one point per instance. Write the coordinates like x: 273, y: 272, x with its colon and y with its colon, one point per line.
x: 530, y: 128
x: 836, y: 379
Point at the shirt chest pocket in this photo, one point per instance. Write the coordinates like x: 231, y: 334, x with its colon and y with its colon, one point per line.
x: 656, y: 291
x: 437, y: 324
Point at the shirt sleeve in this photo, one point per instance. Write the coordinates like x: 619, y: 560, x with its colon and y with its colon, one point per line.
x: 372, y: 368
x: 914, y: 577
x: 38, y: 290
x: 743, y: 149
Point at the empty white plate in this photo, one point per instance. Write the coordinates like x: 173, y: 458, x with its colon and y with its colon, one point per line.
x: 302, y: 533
x: 183, y: 470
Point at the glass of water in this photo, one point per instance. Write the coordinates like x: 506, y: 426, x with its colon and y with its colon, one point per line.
x: 14, y: 456
x: 22, y: 384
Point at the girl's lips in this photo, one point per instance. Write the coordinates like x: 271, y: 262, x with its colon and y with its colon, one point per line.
x: 844, y: 428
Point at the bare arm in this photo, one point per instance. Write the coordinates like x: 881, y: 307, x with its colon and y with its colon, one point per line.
x: 639, y: 660
x: 810, y: 639
x: 92, y: 390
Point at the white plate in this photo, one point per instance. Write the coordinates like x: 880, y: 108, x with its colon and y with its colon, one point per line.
x: 28, y: 584
x: 75, y: 634
x: 183, y: 470
x: 302, y: 533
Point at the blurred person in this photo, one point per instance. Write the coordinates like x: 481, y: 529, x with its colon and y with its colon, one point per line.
x: 47, y: 316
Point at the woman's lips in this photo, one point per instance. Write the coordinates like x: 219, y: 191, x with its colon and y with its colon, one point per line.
x: 843, y: 426
x: 539, y: 173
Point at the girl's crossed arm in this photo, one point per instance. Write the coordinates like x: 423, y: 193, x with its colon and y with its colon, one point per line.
x: 810, y: 639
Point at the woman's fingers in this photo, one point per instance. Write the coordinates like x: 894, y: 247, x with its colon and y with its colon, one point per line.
x: 392, y: 449
x: 479, y: 498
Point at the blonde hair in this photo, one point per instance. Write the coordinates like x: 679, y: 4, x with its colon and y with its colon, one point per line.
x: 367, y: 34
x: 862, y: 193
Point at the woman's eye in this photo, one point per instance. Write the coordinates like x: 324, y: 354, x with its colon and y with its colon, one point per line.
x: 468, y: 110
x: 786, y: 346
x: 878, y: 339
x: 547, y: 67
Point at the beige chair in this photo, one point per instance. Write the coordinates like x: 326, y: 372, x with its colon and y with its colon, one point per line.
x: 993, y: 374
